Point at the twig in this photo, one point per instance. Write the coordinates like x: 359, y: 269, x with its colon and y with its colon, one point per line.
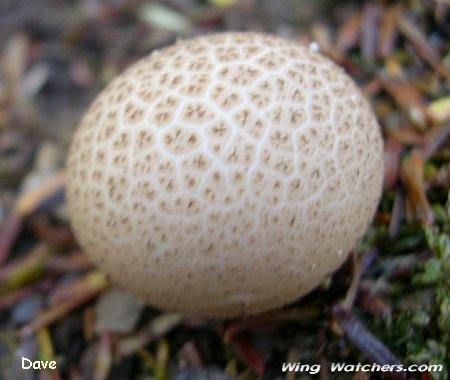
x: 98, y: 285
x: 362, y: 338
x: 8, y: 235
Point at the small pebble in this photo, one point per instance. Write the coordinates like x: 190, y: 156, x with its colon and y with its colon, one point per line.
x: 117, y: 311
x: 27, y: 309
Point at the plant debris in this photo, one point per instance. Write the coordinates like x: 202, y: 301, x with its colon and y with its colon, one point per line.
x: 389, y: 304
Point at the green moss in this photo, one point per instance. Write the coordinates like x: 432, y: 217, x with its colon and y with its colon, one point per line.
x: 419, y: 329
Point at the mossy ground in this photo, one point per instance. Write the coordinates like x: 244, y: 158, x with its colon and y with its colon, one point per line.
x: 392, y: 294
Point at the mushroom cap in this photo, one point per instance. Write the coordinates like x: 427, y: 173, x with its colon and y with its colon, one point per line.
x: 225, y: 175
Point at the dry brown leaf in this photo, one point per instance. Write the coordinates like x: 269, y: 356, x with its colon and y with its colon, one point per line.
x: 190, y: 354
x: 373, y: 303
x: 397, y: 214
x: 155, y: 329
x: 412, y: 176
x: 388, y: 30
x: 407, y: 96
x: 117, y: 311
x: 372, y: 87
x: 31, y: 199
x: 392, y: 153
x: 98, y: 284
x: 16, y: 296
x: 89, y: 323
x: 423, y: 47
x: 394, y: 68
x: 86, y: 284
x: 46, y: 353
x: 25, y: 270
x: 287, y: 315
x: 349, y: 33
x: 104, y: 357
x: 73, y: 262
x: 406, y: 136
x: 8, y: 234
x: 434, y: 138
x: 14, y: 62
x: 322, y: 35
x: 249, y: 354
x: 370, y: 30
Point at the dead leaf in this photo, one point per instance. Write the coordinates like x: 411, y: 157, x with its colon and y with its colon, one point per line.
x: 423, y: 47
x: 98, y: 284
x: 161, y: 17
x: 156, y: 328
x: 276, y: 316
x: 388, y: 30
x: 349, y: 33
x: 434, y: 138
x: 370, y: 30
x: 405, y: 136
x: 407, y: 96
x: 8, y: 234
x: 322, y: 35
x: 249, y: 354
x: 117, y: 311
x: 26, y: 270
x: 439, y: 110
x: 412, y: 176
x: 31, y: 199
x: 397, y: 214
x: 103, y: 360
x: 14, y: 62
x: 392, y: 153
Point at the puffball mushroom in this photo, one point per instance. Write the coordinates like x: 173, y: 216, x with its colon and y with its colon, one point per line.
x: 225, y: 175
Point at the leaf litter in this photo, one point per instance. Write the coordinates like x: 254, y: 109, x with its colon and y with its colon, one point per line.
x: 389, y: 303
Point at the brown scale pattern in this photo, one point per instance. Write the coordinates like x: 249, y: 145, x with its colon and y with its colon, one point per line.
x: 225, y: 175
